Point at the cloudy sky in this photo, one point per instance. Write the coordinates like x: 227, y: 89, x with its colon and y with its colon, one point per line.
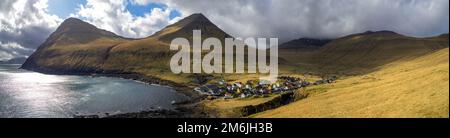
x: 24, y: 24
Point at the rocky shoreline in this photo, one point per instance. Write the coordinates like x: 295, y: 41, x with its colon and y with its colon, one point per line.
x: 152, y: 113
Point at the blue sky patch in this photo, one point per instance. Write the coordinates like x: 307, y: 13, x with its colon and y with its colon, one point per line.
x: 63, y: 8
x: 174, y: 13
x: 141, y: 10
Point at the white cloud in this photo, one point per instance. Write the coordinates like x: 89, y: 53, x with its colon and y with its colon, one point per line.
x: 24, y: 25
x: 290, y: 19
x: 27, y: 23
x: 141, y: 2
x: 112, y: 15
x: 12, y: 50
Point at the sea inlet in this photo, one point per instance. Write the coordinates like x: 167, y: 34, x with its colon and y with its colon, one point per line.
x: 26, y: 94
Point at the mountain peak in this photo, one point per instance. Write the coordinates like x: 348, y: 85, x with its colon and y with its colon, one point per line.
x: 305, y: 43
x: 185, y: 26
x: 73, y: 31
x: 372, y: 34
x: 444, y: 35
x: 74, y: 25
x: 198, y: 17
x: 73, y: 20
x: 193, y: 20
x: 380, y: 32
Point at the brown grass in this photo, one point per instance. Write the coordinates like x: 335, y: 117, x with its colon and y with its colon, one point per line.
x: 414, y: 88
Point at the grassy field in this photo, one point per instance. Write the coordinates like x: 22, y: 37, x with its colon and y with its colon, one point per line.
x: 411, y: 88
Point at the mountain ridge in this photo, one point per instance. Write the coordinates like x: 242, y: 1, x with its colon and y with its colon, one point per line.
x: 109, y: 50
x: 79, y: 47
x: 363, y: 52
x: 305, y: 43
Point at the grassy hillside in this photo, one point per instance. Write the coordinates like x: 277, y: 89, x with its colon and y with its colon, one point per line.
x: 77, y: 46
x: 360, y: 53
x: 416, y: 87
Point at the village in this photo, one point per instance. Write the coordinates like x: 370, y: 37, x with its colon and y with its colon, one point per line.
x: 252, y: 88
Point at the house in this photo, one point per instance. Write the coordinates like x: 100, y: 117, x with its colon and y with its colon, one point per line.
x: 211, y: 90
x: 286, y: 88
x: 247, y: 86
x: 238, y: 84
x: 222, y: 82
x: 264, y: 82
x: 214, y: 90
x: 320, y: 82
x: 305, y: 83
x: 243, y: 95
x: 254, y: 88
x: 228, y: 96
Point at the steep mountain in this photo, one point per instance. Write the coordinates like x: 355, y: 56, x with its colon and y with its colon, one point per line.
x: 79, y: 47
x: 184, y: 28
x: 305, y: 43
x: 73, y: 46
x: 76, y: 31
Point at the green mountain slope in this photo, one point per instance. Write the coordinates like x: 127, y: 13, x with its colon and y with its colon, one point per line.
x: 361, y: 53
x: 78, y: 47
